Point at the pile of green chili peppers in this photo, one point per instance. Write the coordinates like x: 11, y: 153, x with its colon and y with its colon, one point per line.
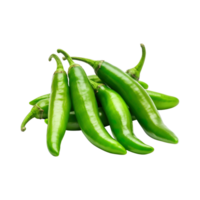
x: 89, y: 103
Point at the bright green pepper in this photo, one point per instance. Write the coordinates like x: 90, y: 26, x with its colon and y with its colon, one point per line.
x: 86, y: 109
x: 119, y: 118
x: 59, y: 108
x: 34, y: 101
x: 138, y: 100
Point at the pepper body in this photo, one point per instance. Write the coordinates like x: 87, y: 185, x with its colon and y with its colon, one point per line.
x: 85, y: 107
x: 34, y: 101
x: 163, y: 101
x: 138, y: 100
x: 59, y: 109
x: 120, y: 120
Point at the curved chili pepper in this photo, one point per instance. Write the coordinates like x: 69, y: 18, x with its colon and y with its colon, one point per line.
x: 119, y: 118
x: 39, y: 111
x: 138, y: 100
x: 86, y: 109
x: 135, y: 71
x: 59, y: 108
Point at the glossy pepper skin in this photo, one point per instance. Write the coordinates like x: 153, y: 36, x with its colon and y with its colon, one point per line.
x: 59, y: 108
x: 138, y: 100
x: 163, y: 101
x: 86, y: 109
x: 119, y: 118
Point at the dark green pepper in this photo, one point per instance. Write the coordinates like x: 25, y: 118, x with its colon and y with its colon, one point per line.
x: 119, y: 118
x: 138, y: 100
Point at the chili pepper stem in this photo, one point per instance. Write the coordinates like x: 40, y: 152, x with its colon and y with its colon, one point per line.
x: 59, y: 64
x: 26, y: 120
x: 135, y: 72
x: 67, y: 57
x: 95, y: 85
x: 92, y: 63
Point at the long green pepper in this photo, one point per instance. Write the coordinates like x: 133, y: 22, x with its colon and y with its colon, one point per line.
x: 119, y: 118
x: 59, y: 108
x: 138, y: 100
x: 86, y: 109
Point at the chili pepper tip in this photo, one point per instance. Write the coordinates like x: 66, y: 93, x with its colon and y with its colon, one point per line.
x: 23, y: 129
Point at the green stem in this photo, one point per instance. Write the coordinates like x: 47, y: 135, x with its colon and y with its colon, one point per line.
x: 59, y: 63
x: 26, y: 120
x: 95, y: 78
x: 95, y: 85
x: 67, y: 57
x: 135, y: 72
x: 88, y: 61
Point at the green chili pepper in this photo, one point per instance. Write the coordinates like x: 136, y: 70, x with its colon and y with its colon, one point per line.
x: 163, y: 101
x: 34, y: 101
x: 39, y: 111
x: 119, y: 118
x: 59, y: 108
x: 86, y: 109
x: 138, y: 100
x: 135, y: 72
